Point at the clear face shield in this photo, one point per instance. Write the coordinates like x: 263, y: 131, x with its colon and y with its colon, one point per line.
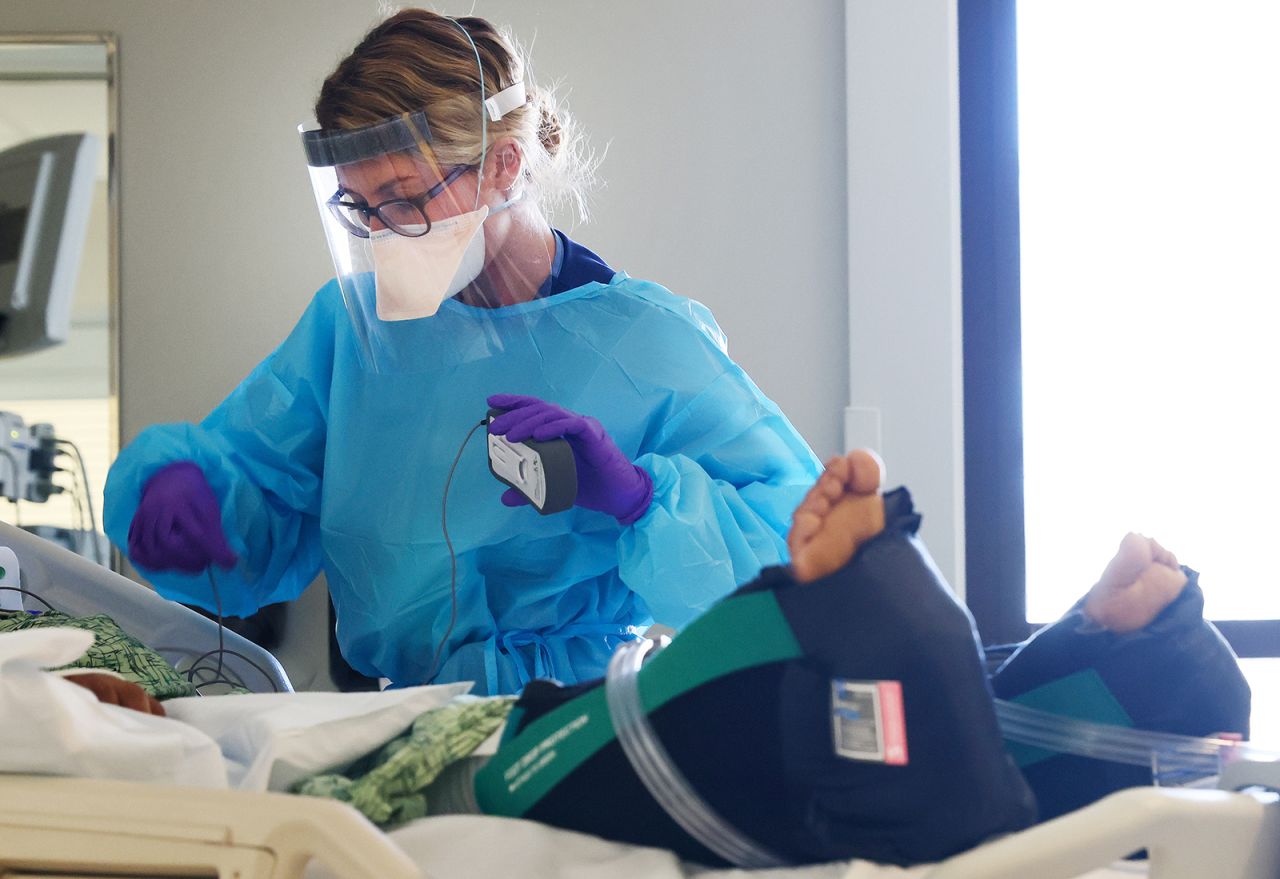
x: 415, y: 238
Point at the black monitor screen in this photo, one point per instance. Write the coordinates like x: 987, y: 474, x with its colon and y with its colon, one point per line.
x: 13, y: 223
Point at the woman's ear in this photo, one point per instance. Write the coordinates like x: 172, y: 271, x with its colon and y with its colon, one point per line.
x: 504, y: 164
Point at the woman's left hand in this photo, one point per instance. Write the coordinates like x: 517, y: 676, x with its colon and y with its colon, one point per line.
x: 607, y: 479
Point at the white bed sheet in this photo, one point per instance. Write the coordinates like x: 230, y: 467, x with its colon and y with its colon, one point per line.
x: 480, y: 847
x: 267, y: 741
x: 257, y: 742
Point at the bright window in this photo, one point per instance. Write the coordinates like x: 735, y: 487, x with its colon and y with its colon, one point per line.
x: 1150, y: 229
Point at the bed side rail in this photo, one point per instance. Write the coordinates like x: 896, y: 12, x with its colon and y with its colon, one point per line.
x: 1188, y: 834
x: 91, y: 827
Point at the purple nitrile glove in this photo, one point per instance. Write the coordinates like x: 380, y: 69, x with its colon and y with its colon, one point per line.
x: 178, y: 524
x: 607, y: 480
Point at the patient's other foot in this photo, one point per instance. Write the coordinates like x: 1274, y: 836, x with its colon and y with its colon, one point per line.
x: 841, y: 512
x: 1143, y: 579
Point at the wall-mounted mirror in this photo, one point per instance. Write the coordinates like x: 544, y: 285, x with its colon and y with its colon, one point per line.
x: 58, y: 233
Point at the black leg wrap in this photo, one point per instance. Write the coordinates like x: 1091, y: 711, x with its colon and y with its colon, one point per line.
x: 1177, y: 675
x: 785, y: 751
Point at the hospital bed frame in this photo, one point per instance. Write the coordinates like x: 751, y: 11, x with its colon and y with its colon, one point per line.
x: 63, y: 827
x: 93, y: 828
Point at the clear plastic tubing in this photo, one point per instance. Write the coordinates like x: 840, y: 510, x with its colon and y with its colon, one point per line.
x: 1169, y: 756
x: 660, y: 776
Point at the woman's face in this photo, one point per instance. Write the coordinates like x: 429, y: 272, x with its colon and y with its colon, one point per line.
x: 405, y: 176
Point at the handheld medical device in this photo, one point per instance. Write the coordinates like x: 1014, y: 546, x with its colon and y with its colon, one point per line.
x: 541, y: 471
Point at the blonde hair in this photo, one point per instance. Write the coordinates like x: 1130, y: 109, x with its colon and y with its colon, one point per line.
x: 419, y: 60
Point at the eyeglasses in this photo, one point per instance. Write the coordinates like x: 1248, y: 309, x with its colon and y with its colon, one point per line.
x: 404, y: 216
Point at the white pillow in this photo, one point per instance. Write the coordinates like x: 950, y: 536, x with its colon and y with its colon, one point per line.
x: 50, y: 726
x: 273, y: 740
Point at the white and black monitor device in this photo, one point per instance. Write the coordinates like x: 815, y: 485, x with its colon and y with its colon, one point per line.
x: 46, y: 191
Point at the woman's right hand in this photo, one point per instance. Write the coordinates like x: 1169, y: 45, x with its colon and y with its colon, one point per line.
x: 178, y: 523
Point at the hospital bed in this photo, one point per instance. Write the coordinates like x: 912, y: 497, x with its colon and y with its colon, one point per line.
x: 64, y: 827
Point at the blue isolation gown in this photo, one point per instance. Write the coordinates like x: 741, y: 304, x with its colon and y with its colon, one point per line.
x: 319, y: 463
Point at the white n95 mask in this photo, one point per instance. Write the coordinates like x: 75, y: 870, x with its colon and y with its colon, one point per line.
x: 414, y: 275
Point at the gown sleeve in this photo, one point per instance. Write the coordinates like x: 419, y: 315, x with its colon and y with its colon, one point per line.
x: 262, y: 451
x: 728, y: 471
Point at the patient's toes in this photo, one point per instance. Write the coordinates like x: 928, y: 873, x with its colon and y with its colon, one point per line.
x: 866, y: 471
x: 805, y: 524
x: 831, y: 484
x: 842, y: 511
x: 838, y: 466
x: 1139, y: 582
x: 815, y: 502
x: 1133, y: 556
x: 1164, y: 556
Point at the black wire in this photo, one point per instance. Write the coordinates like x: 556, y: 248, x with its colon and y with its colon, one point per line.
x: 453, y: 558
x: 77, y: 521
x: 230, y: 679
x: 217, y: 600
x: 193, y: 669
x: 238, y: 655
x: 29, y: 592
x: 219, y: 675
x: 88, y: 499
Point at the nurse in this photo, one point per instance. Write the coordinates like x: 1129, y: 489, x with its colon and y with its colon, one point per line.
x: 358, y: 445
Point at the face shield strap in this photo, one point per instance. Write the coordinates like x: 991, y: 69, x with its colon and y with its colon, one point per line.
x: 484, y: 121
x: 510, y: 98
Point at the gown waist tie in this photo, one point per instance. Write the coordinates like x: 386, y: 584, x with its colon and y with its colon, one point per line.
x: 543, y: 663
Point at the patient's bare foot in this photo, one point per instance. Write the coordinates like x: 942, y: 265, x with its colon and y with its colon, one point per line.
x: 1143, y: 579
x: 841, y: 512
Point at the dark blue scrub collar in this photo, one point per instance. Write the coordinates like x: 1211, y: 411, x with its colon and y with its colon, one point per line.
x: 572, y: 266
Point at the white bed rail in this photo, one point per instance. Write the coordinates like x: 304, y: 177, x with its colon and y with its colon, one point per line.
x: 1188, y: 834
x: 79, y: 587
x: 83, y: 827
x: 94, y: 828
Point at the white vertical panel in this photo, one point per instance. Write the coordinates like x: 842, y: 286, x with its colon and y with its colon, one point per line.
x: 904, y: 256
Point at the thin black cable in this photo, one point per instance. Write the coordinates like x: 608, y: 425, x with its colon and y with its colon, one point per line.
x: 88, y: 499
x: 238, y: 655
x: 77, y: 508
x: 191, y: 670
x: 219, y: 675
x: 230, y: 679
x: 217, y: 600
x: 196, y: 670
x: 79, y: 497
x: 453, y: 559
x: 29, y: 592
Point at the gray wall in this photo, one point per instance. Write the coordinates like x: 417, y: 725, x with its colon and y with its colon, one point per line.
x: 737, y: 172
x: 725, y: 175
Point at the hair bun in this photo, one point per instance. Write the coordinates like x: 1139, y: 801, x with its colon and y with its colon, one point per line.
x: 550, y: 131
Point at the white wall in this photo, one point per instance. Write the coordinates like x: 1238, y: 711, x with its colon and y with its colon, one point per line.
x: 730, y: 173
